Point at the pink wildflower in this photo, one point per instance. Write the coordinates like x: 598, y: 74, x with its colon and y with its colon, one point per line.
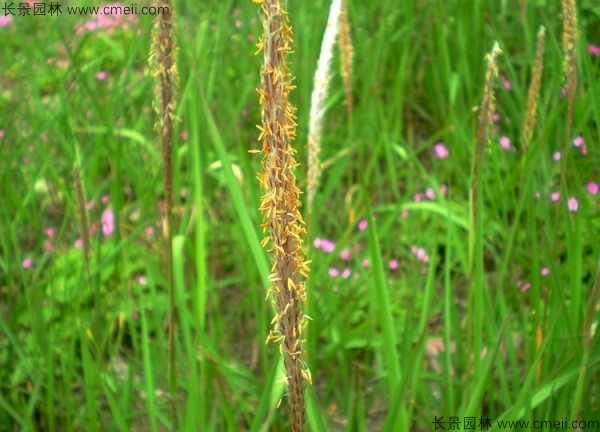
x: 572, y: 204
x: 555, y: 196
x: 142, y: 280
x: 394, y: 264
x: 346, y: 273
x: 365, y: 263
x: 505, y: 82
x: 592, y: 188
x: 78, y: 243
x: 505, y: 143
x: 333, y: 272
x: 556, y: 156
x: 525, y: 287
x: 317, y: 243
x: 27, y: 263
x: 5, y: 20
x: 440, y: 150
x: 101, y: 76
x: 327, y: 246
x: 578, y: 141
x: 430, y: 194
x: 594, y: 50
x: 362, y: 225
x: 345, y: 254
x: 545, y: 271
x: 108, y: 222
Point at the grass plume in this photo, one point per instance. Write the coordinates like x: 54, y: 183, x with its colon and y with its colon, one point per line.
x: 569, y: 37
x: 534, y: 91
x: 280, y: 205
x: 317, y: 103
x: 165, y: 74
x: 347, y: 53
x: 486, y: 111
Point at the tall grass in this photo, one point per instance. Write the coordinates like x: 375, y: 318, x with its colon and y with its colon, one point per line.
x: 280, y: 206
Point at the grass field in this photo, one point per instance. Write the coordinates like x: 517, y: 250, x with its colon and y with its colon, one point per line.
x: 418, y: 313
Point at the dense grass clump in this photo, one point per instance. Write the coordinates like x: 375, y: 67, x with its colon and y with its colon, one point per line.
x: 424, y: 306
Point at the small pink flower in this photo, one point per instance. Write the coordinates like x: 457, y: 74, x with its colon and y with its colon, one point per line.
x: 505, y: 143
x: 362, y: 225
x: 594, y: 50
x: 440, y: 150
x: 135, y: 315
x: 346, y: 273
x: 345, y: 254
x: 184, y: 135
x: 5, y: 20
x: 239, y: 24
x: 572, y: 204
x: 592, y: 188
x: 105, y: 199
x: 418, y: 196
x: 495, y: 117
x: 108, y: 222
x: 27, y: 263
x: 365, y: 263
x: 525, y: 287
x: 556, y: 156
x: 443, y: 189
x: 333, y: 272
x: 394, y: 264
x: 505, y: 82
x: 421, y: 255
x: 150, y: 231
x: 327, y: 246
x: 317, y: 243
x: 101, y: 76
x: 50, y: 232
x: 48, y: 246
x: 555, y: 196
x: 545, y: 271
x: 430, y: 194
x: 404, y: 213
x: 78, y: 243
x: 578, y: 141
x: 142, y: 280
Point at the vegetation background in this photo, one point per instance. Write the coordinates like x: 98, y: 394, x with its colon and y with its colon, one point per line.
x: 84, y: 347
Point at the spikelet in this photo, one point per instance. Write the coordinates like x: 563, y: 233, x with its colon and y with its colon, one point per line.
x: 280, y: 203
x: 534, y: 91
x: 569, y: 8
x: 486, y: 111
x: 317, y: 102
x: 347, y: 53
